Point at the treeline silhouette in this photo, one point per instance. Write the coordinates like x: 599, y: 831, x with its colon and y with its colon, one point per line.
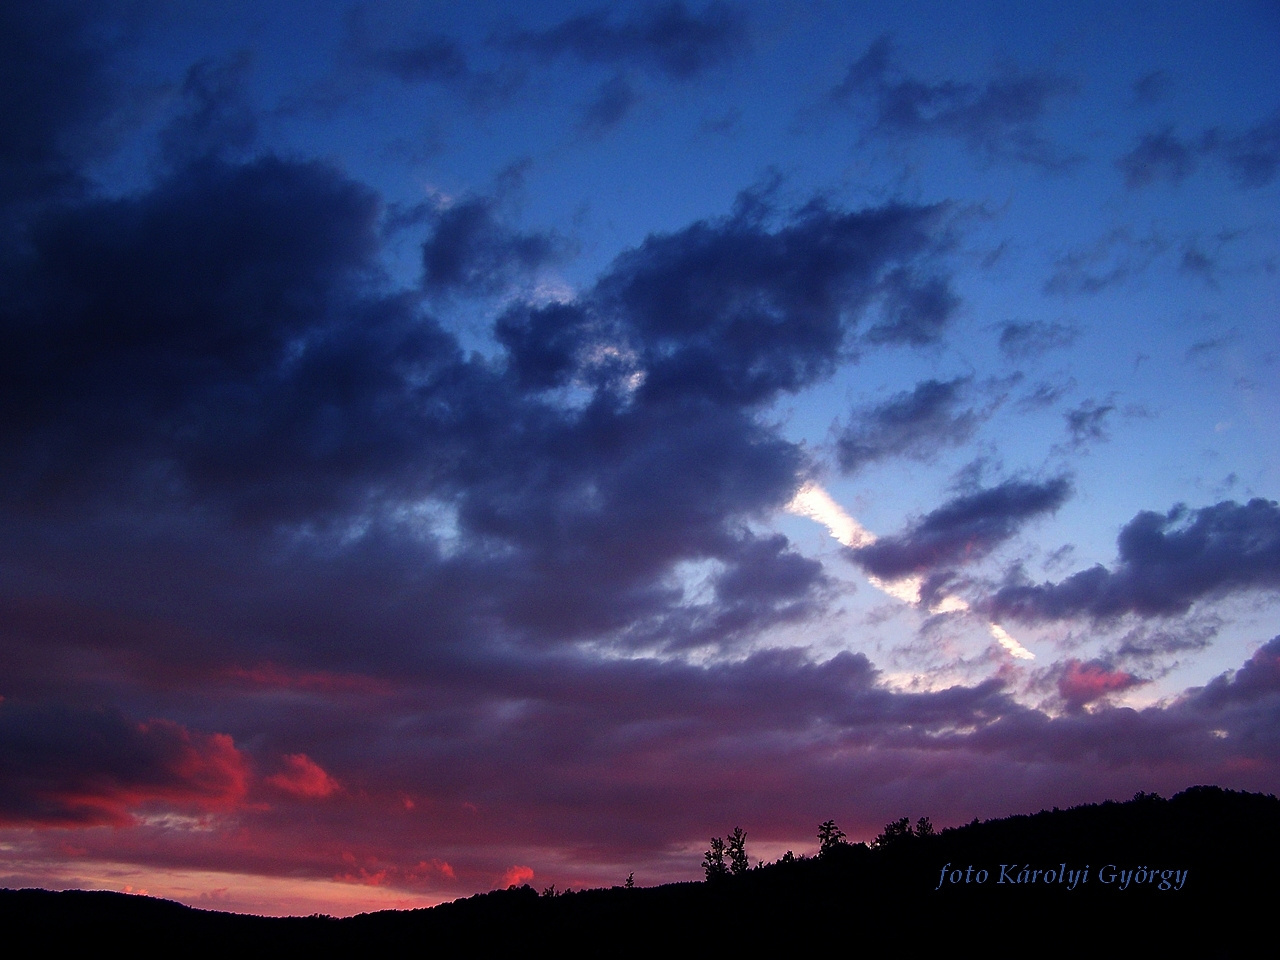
x: 1202, y: 868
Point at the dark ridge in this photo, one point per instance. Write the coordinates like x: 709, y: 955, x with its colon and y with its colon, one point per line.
x: 1205, y: 870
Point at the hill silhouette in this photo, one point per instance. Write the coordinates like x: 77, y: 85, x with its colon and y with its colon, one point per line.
x: 1196, y: 874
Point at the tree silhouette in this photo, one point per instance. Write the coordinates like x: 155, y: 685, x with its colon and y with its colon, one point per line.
x: 737, y: 846
x: 924, y: 827
x: 713, y: 861
x: 894, y: 832
x: 830, y: 837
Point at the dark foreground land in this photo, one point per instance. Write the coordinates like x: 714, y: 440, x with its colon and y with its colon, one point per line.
x: 1195, y: 875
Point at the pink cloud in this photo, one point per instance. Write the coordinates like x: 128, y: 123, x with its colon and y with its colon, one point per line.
x: 1081, y: 683
x: 515, y: 876
x: 94, y: 768
x: 302, y: 777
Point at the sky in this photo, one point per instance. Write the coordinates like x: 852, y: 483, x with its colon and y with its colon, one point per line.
x: 452, y: 445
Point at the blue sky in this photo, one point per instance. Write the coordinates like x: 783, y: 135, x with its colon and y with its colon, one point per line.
x: 449, y: 445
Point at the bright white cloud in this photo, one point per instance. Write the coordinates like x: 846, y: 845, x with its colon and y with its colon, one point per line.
x: 815, y: 503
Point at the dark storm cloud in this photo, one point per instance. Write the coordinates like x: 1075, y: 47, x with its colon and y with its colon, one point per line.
x: 62, y: 766
x: 668, y: 38
x: 222, y: 351
x: 609, y: 107
x: 471, y: 250
x: 1167, y: 562
x: 544, y: 344
x: 1028, y: 339
x: 913, y: 423
x: 998, y: 118
x: 963, y: 529
x: 735, y: 312
x: 769, y: 571
x: 764, y: 584
x: 221, y: 334
x: 1157, y: 156
x: 598, y: 510
x: 59, y: 92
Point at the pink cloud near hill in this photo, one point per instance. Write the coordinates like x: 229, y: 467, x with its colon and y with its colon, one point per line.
x: 515, y: 876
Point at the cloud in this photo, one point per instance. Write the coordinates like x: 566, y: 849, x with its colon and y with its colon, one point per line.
x: 1111, y: 260
x: 431, y: 58
x: 515, y: 876
x: 215, y: 121
x: 1196, y: 261
x: 1255, y: 683
x: 471, y: 251
x: 962, y: 530
x: 1046, y: 394
x: 1080, y: 683
x: 916, y: 309
x: 1225, y: 725
x: 912, y: 423
x: 1028, y: 339
x: 1149, y: 646
x: 735, y: 311
x: 610, y: 106
x: 546, y: 344
x: 1167, y: 562
x: 1151, y: 88
x: 221, y: 350
x: 666, y: 38
x: 58, y: 68
x: 303, y: 778
x: 767, y: 584
x: 1087, y: 423
x: 1204, y: 350
x: 412, y: 55
x: 226, y: 325
x: 1157, y: 156
x: 62, y: 766
x: 814, y: 502
x: 1251, y: 156
x: 997, y: 119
